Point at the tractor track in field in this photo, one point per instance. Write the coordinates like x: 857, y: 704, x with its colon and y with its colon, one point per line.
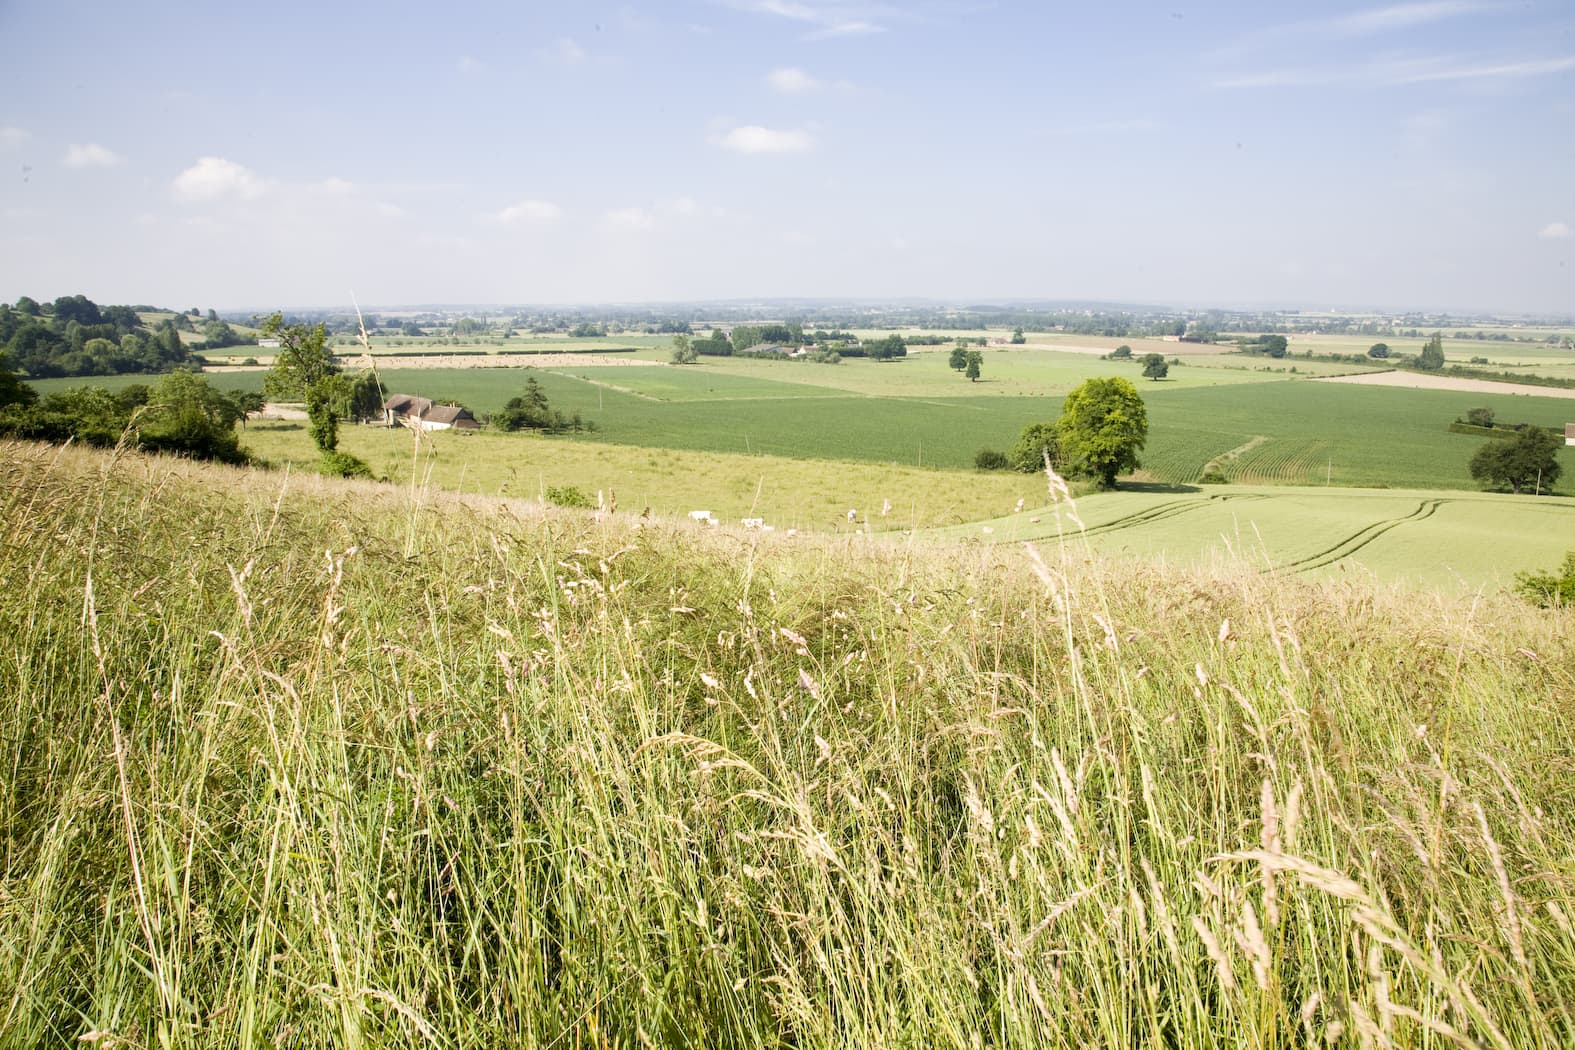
x: 1359, y: 539
x: 1172, y: 509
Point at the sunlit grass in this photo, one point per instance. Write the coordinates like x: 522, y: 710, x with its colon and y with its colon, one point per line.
x: 292, y: 762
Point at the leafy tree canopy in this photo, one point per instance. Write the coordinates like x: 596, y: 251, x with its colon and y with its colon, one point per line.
x: 1103, y: 426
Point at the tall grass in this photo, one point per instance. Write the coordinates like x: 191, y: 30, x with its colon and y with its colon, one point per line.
x: 280, y: 772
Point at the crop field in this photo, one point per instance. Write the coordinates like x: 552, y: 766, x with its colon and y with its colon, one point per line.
x: 1311, y: 433
x: 1440, y: 539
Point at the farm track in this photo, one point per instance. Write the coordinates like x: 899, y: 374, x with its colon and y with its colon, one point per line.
x: 1173, y: 509
x: 1361, y: 538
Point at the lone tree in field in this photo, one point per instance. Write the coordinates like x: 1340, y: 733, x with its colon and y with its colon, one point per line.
x: 1154, y: 367
x: 1431, y: 359
x: 1103, y: 426
x: 975, y: 365
x: 959, y: 358
x: 683, y: 352
x: 1529, y: 458
x: 1480, y: 417
x: 1121, y: 353
x: 1378, y: 350
x: 304, y: 369
x: 1017, y: 336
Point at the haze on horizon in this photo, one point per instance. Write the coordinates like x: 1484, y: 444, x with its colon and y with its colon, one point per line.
x: 1413, y: 155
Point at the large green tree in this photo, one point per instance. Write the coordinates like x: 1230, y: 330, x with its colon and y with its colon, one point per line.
x: 1103, y: 427
x: 1529, y: 458
x: 1154, y: 367
x: 975, y: 365
x: 304, y: 370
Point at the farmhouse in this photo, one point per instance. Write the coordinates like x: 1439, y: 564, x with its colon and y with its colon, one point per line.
x: 407, y: 408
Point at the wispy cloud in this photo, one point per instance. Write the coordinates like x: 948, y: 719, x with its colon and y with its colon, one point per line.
x: 628, y: 220
x: 529, y: 211
x: 1396, y: 72
x: 91, y: 155
x: 568, y: 52
x: 1355, y: 25
x: 469, y: 66
x: 1398, y: 16
x: 1556, y: 231
x: 751, y: 138
x: 828, y: 19
x: 11, y: 137
x: 791, y: 81
x: 215, y: 178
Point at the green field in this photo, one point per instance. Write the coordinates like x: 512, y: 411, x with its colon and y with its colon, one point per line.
x: 1443, y: 540
x: 1300, y: 433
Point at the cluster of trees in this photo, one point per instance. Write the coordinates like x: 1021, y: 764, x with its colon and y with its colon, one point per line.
x: 531, y: 411
x: 181, y: 415
x: 1431, y: 359
x: 1275, y: 346
x: 1102, y: 428
x: 969, y: 362
x: 73, y: 336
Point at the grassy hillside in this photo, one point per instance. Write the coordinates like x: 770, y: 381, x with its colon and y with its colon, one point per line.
x: 294, y: 763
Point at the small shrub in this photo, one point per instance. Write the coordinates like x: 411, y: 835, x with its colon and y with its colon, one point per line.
x: 1212, y: 476
x: 343, y: 465
x: 1549, y: 590
x: 990, y: 459
x: 568, y: 496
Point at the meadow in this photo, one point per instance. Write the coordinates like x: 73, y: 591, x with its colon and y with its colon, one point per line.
x: 293, y: 762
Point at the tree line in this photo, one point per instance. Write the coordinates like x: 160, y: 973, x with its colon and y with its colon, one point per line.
x: 74, y: 336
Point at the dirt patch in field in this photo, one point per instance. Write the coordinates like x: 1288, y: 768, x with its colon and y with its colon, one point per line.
x: 273, y: 410
x: 1418, y: 381
x: 497, y: 361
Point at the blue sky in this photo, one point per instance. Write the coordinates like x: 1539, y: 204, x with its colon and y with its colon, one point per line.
x: 1401, y: 156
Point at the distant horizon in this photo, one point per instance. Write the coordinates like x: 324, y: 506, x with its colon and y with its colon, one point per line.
x: 960, y: 304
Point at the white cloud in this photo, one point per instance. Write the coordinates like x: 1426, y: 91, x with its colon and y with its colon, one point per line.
x: 214, y: 178
x: 468, y: 65
x: 751, y: 138
x: 529, y: 211
x: 792, y: 81
x: 568, y: 51
x: 336, y: 187
x: 11, y: 137
x: 1556, y: 231
x: 634, y: 220
x: 91, y: 155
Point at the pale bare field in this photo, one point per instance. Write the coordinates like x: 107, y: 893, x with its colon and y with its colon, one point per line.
x: 391, y: 361
x: 1418, y: 381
